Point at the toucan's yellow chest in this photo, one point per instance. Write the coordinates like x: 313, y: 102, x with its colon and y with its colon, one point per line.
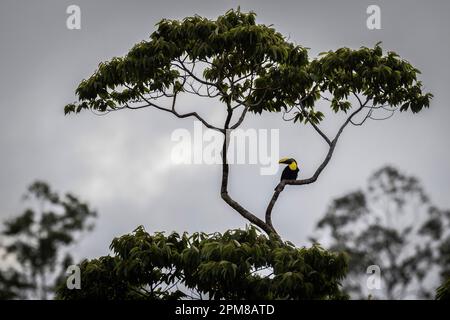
x: 293, y: 166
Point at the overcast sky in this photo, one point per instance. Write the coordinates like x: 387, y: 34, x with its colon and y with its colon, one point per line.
x: 121, y: 163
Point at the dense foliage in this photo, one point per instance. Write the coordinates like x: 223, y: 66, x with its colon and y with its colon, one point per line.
x: 239, y: 264
x: 250, y: 64
x: 443, y: 292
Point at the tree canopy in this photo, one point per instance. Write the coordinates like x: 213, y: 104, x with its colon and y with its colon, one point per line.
x: 248, y: 64
x: 238, y: 264
x: 250, y: 67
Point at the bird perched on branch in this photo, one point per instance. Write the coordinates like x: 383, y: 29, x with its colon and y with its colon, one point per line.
x: 291, y: 171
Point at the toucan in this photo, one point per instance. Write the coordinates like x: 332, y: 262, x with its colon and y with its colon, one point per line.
x: 291, y: 171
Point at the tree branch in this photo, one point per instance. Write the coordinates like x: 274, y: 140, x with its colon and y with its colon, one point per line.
x: 241, y: 118
x: 191, y: 73
x: 282, y: 184
x: 320, y: 132
x: 174, y: 112
x: 224, y: 186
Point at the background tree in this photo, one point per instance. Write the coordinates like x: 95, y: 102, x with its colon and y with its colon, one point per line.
x: 393, y: 224
x: 37, y: 241
x: 239, y: 264
x: 13, y: 285
x: 244, y: 66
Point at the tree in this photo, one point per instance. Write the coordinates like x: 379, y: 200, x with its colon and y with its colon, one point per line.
x: 12, y: 285
x: 250, y: 67
x: 36, y: 240
x: 239, y: 264
x: 392, y: 224
x: 443, y: 292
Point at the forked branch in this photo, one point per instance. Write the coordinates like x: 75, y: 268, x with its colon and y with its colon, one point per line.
x: 315, y: 176
x: 225, y: 176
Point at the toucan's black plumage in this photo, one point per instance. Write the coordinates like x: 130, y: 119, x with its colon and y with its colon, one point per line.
x: 291, y: 170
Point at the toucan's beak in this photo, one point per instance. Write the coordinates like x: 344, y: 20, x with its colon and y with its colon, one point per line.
x: 283, y: 160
